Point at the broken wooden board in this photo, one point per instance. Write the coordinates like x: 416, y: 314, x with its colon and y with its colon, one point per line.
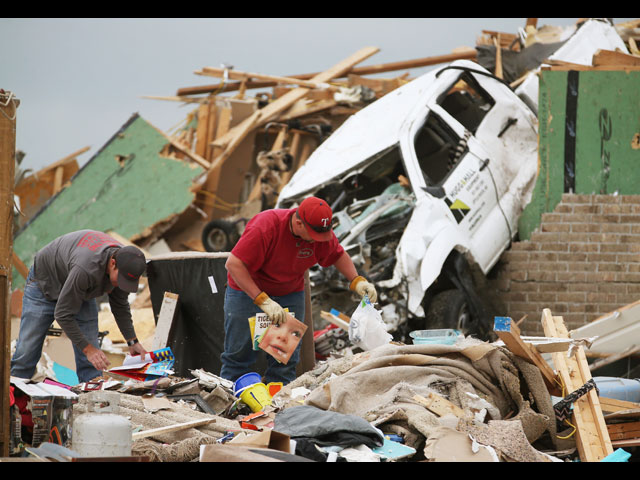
x: 171, y: 428
x: 615, y: 405
x: 592, y: 437
x: 624, y: 431
x: 238, y: 75
x: 439, y: 405
x: 608, y: 58
x: 165, y: 320
x: 509, y: 333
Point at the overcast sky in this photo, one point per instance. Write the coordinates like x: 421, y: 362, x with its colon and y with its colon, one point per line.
x: 79, y: 80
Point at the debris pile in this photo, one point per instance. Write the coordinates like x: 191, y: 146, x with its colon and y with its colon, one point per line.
x: 395, y: 177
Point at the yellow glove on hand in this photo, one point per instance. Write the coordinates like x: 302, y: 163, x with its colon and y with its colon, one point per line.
x: 274, y: 311
x: 362, y: 288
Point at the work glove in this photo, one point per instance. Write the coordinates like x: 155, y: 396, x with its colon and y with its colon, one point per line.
x: 274, y: 311
x: 362, y: 288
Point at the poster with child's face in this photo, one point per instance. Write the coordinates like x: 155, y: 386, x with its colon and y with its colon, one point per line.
x: 280, y: 341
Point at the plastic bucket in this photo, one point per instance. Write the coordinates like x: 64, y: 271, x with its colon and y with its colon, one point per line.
x: 256, y: 397
x: 245, y: 381
x: 442, y: 336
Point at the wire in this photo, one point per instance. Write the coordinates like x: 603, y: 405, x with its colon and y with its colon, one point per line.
x: 564, y: 391
x: 495, y: 189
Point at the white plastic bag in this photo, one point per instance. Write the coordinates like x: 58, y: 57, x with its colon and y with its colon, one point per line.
x: 367, y: 330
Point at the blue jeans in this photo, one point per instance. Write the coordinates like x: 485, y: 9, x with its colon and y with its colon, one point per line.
x: 238, y: 355
x: 37, y: 317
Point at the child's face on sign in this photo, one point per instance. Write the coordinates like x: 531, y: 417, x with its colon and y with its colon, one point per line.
x: 280, y: 341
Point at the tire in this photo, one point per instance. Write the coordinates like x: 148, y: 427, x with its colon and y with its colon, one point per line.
x: 449, y: 309
x: 219, y: 236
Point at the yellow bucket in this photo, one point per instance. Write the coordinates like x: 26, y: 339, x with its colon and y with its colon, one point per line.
x: 256, y: 397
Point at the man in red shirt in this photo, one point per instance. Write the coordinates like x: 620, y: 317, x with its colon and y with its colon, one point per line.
x: 266, y: 272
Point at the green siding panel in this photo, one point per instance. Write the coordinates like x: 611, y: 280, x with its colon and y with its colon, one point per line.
x: 606, y: 132
x: 126, y: 187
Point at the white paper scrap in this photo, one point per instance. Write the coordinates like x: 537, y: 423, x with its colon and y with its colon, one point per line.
x: 212, y: 282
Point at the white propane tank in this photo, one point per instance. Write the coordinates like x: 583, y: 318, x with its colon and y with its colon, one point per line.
x: 101, y: 432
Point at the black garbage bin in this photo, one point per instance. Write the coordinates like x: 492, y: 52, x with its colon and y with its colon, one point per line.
x: 197, y: 333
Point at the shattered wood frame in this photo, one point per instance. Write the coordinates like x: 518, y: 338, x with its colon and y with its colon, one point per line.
x: 592, y: 436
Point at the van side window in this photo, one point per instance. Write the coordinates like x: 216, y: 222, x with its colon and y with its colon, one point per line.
x: 435, y: 146
x: 467, y: 102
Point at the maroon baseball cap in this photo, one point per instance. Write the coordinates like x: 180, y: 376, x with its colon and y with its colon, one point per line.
x: 131, y: 264
x: 316, y: 215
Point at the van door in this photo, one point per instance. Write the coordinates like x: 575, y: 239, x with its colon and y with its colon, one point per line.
x: 459, y: 166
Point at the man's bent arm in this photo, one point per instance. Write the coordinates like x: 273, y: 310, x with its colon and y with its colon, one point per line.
x: 238, y: 270
x: 346, y: 267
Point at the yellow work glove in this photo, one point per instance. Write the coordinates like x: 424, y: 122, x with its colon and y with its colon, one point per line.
x: 362, y: 288
x: 274, y: 311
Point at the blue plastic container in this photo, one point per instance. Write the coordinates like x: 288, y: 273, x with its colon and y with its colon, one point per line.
x: 442, y: 336
x: 627, y: 389
x: 245, y: 381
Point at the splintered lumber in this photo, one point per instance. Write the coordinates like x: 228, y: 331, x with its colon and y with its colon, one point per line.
x: 187, y: 151
x: 592, y: 437
x: 238, y: 75
x: 615, y: 405
x: 64, y: 160
x: 560, y: 65
x: 439, y: 405
x: 202, y: 137
x: 171, y: 428
x: 624, y: 431
x: 498, y: 69
x: 608, y: 57
x: 509, y: 333
x: 235, y: 135
x: 165, y: 320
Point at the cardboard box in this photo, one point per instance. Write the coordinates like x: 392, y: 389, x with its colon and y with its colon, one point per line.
x: 268, y: 439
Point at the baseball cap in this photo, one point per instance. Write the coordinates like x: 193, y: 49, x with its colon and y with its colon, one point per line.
x: 316, y: 215
x: 131, y: 264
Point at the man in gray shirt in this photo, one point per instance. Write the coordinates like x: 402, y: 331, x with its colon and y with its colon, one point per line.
x: 67, y: 276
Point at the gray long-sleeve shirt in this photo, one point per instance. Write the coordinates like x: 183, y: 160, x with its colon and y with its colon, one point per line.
x: 73, y: 268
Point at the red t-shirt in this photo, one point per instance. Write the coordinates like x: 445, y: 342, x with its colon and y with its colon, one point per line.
x: 276, y: 260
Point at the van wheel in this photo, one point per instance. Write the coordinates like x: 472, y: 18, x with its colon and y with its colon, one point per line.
x: 219, y: 236
x: 449, y: 309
